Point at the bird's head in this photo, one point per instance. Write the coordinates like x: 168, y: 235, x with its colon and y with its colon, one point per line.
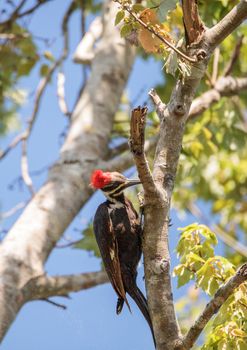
x: 111, y: 183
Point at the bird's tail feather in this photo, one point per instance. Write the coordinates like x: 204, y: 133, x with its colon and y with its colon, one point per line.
x: 141, y: 302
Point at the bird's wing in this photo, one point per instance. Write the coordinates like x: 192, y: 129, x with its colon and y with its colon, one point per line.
x: 108, y: 247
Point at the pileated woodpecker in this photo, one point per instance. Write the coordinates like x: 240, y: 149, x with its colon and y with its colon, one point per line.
x: 118, y: 233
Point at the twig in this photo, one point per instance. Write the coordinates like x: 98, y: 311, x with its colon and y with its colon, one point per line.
x: 117, y: 150
x: 136, y: 142
x: 214, y: 305
x: 160, y: 106
x: 153, y: 31
x: 16, y: 15
x: 24, y: 168
x: 234, y: 57
x: 226, y: 238
x: 61, y: 94
x: 11, y: 36
x: 69, y: 244
x: 61, y: 306
x: 125, y: 161
x: 12, y: 211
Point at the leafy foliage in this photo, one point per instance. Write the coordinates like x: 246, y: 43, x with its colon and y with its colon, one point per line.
x: 198, y: 263
x: 88, y: 242
x: 18, y: 55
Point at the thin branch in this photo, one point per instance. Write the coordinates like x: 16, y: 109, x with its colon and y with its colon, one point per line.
x: 16, y: 13
x: 194, y: 27
x: 153, y: 31
x: 125, y: 161
x: 11, y: 36
x: 137, y: 141
x: 224, y: 86
x: 119, y: 149
x: 214, y: 305
x: 215, y: 65
x: 24, y: 168
x: 12, y: 211
x: 61, y: 94
x: 61, y: 306
x: 85, y: 50
x: 216, y: 34
x: 226, y: 238
x: 160, y: 106
x: 68, y: 244
x: 228, y: 69
x: 43, y: 287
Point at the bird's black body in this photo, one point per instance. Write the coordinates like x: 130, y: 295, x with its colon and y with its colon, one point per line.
x: 118, y: 233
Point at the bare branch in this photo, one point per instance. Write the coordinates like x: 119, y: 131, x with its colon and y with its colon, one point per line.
x: 84, y: 52
x: 123, y: 162
x: 118, y: 150
x: 194, y: 27
x: 214, y: 305
x: 16, y: 13
x: 61, y: 94
x: 234, y: 57
x: 160, y: 106
x: 13, y: 210
x: 44, y: 287
x: 224, y: 86
x: 216, y: 34
x: 24, y: 168
x: 137, y: 140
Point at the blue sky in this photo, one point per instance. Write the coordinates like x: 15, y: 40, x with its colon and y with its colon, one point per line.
x: 90, y: 321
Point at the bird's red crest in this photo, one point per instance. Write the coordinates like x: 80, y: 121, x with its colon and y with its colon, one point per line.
x: 100, y: 179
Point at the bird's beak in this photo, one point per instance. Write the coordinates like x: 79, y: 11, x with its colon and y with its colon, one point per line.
x: 131, y: 182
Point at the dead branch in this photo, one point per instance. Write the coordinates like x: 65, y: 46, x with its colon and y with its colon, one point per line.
x: 137, y: 141
x: 194, y: 27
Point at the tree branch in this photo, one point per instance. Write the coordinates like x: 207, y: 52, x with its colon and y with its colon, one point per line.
x: 125, y: 161
x: 16, y: 13
x: 137, y: 140
x: 234, y: 57
x: 224, y: 86
x: 44, y: 287
x: 214, y: 305
x: 216, y: 34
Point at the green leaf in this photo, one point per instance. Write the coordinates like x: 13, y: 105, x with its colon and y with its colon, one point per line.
x: 125, y: 30
x: 138, y: 8
x: 165, y: 7
x: 88, y: 242
x: 119, y: 17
